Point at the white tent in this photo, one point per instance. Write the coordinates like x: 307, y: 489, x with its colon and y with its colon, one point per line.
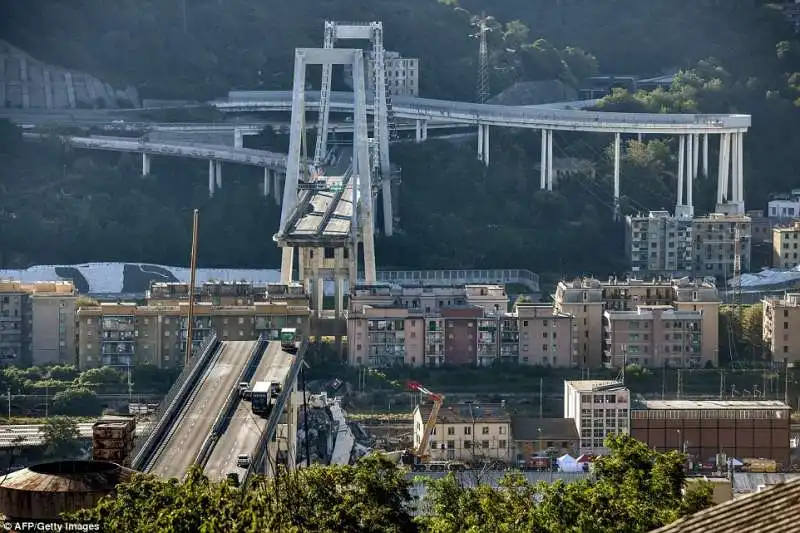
x: 567, y: 463
x: 733, y: 462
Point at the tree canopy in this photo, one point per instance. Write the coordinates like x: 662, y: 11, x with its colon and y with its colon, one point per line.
x: 634, y: 490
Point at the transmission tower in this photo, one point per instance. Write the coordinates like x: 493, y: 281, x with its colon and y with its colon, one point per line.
x: 482, y: 26
x: 737, y: 272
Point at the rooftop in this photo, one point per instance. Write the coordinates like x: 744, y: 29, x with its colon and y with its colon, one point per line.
x: 589, y: 385
x: 774, y: 509
x: 527, y: 428
x: 713, y: 404
x: 467, y: 413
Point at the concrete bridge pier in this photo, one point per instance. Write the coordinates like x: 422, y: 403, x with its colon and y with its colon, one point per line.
x: 685, y: 205
x: 145, y: 164
x: 483, y: 143
x: 617, y: 147
x: 218, y: 173
x: 267, y: 179
x: 546, y: 161
x: 705, y: 155
x: 421, y: 130
x: 238, y: 138
x: 276, y: 186
x: 211, y: 180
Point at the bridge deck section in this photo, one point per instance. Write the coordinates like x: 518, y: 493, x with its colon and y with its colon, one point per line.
x: 185, y: 440
x: 510, y: 116
x: 245, y: 429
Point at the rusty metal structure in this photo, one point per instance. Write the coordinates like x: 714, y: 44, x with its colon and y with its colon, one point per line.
x: 112, y: 439
x: 44, y: 491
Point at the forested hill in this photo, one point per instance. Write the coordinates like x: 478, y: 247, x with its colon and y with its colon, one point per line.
x: 224, y: 44
x: 63, y: 206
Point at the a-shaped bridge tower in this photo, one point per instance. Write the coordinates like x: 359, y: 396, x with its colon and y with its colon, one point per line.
x: 326, y: 217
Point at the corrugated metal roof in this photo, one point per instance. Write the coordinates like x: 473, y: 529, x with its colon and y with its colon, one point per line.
x: 715, y: 404
x: 67, y: 476
x: 744, y: 482
x: 774, y: 510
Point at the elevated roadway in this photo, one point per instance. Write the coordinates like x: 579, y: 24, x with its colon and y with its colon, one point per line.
x: 244, y: 156
x: 244, y: 431
x: 542, y: 117
x: 31, y: 120
x: 324, y: 216
x: 185, y: 440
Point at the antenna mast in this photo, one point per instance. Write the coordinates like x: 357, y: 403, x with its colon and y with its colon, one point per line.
x: 483, y: 56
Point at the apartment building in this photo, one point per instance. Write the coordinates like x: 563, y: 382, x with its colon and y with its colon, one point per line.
x: 546, y: 337
x: 37, y: 325
x: 599, y: 408
x: 215, y: 292
x: 653, y: 336
x: 454, y: 325
x: 715, y: 238
x: 466, y: 432
x: 583, y: 299
x: 785, y: 250
x: 124, y: 334
x: 589, y: 299
x: 781, y: 327
x: 402, y: 74
x: 659, y: 244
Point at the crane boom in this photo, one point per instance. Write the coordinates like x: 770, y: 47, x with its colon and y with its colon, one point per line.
x: 422, y: 448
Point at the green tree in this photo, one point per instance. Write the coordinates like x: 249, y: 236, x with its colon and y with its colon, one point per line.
x: 635, y: 490
x: 370, y: 496
x: 78, y: 401
x: 63, y: 372
x: 99, y: 378
x: 752, y: 329
x: 61, y: 438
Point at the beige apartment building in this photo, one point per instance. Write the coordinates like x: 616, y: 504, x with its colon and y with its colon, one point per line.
x: 654, y: 336
x: 781, y: 327
x: 466, y: 432
x: 453, y: 325
x: 785, y: 242
x: 583, y: 299
x: 124, y: 334
x: 37, y: 325
x: 589, y: 299
x: 599, y: 408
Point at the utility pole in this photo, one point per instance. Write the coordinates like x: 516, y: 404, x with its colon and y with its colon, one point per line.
x: 305, y: 417
x: 786, y: 381
x: 541, y: 396
x: 9, y: 404
x: 680, y: 383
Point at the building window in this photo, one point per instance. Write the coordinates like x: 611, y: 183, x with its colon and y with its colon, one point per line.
x: 501, y: 444
x: 451, y: 430
x: 467, y: 430
x: 485, y: 430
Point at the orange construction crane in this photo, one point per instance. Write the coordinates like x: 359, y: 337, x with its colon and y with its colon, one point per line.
x: 421, y: 452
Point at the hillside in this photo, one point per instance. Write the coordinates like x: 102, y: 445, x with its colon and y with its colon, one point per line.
x: 61, y: 206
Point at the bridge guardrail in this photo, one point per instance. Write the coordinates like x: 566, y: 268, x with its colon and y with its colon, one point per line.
x: 272, y: 423
x: 510, y: 275
x: 226, y: 412
x: 143, y: 446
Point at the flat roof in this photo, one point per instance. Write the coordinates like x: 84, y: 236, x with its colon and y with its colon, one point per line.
x: 588, y: 385
x: 713, y: 404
